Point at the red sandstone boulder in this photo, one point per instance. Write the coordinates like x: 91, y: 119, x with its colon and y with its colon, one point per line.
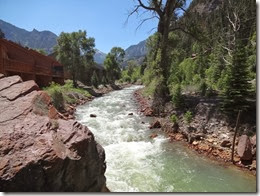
x: 226, y: 144
x: 253, y: 141
x: 244, y: 148
x: 148, y: 111
x: 39, y: 151
x: 9, y: 81
x: 155, y: 124
x: 154, y: 135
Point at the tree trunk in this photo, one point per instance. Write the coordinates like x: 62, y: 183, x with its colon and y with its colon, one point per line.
x: 234, y: 139
x: 162, y: 92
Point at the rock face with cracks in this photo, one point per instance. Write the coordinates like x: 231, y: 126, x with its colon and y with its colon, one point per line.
x: 38, y: 150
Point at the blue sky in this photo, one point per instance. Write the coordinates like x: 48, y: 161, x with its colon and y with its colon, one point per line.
x: 102, y: 19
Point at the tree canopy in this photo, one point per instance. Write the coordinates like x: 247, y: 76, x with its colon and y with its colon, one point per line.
x: 75, y: 51
x: 113, y: 62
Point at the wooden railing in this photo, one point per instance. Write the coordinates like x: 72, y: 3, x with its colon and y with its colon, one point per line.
x: 43, y: 70
x: 17, y: 66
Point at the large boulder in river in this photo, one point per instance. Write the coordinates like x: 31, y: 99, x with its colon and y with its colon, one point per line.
x: 244, y: 148
x: 38, y: 150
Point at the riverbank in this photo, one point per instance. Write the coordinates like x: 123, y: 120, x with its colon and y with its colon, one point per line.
x: 66, y: 98
x: 208, y: 134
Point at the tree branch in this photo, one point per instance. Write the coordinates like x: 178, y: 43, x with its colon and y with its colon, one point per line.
x: 144, y: 20
x: 145, y: 7
x: 185, y: 31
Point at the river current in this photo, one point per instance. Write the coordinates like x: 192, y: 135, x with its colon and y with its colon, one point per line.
x: 137, y: 163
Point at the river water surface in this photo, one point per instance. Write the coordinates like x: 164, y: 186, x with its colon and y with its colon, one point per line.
x: 137, y: 163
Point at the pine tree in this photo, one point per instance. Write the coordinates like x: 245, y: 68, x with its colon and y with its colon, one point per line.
x: 237, y: 85
x: 177, y: 97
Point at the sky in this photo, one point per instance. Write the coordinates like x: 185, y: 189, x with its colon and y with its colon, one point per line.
x: 105, y: 20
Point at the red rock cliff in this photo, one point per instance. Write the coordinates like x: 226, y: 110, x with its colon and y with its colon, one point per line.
x: 39, y: 151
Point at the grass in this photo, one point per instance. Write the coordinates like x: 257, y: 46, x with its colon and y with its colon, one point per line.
x: 65, y: 94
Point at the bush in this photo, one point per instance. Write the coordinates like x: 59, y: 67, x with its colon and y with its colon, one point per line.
x: 188, y: 117
x: 174, y: 118
x: 60, y: 94
x: 203, y: 88
x: 57, y: 98
x: 177, y: 97
x: 149, y: 90
x: 209, y: 92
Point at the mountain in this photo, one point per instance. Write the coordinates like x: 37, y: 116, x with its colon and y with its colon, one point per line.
x: 45, y: 40
x: 99, y: 56
x: 137, y: 51
x: 33, y: 39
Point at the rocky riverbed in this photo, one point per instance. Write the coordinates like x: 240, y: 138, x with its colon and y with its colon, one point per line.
x: 208, y: 133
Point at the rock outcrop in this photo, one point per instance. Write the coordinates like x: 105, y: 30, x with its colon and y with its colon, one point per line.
x: 38, y: 150
x: 244, y: 148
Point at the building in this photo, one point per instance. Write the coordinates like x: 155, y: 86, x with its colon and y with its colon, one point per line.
x: 29, y: 64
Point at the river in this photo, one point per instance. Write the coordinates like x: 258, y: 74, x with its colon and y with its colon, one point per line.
x: 137, y: 163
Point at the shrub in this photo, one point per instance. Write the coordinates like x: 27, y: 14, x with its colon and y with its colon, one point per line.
x: 188, y: 117
x: 57, y: 99
x: 203, y: 88
x: 61, y: 94
x: 150, y: 88
x: 174, y: 118
x: 177, y: 98
x: 209, y: 92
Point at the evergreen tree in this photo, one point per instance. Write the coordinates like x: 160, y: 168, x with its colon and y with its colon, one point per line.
x: 237, y: 84
x: 177, y: 97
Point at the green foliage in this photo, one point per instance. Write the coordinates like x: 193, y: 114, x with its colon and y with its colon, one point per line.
x: 174, y: 118
x: 56, y: 95
x: 75, y: 51
x: 150, y: 88
x: 187, y: 71
x: 212, y: 58
x: 112, y: 63
x: 237, y: 85
x: 95, y: 80
x: 60, y: 95
x: 203, y: 88
x: 188, y: 117
x: 132, y: 72
x: 177, y: 97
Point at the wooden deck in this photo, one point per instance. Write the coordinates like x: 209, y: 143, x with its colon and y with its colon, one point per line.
x: 29, y: 64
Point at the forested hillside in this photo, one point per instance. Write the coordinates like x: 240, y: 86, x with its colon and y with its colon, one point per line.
x: 210, y: 50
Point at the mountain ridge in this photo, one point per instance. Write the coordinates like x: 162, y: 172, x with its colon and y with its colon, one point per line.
x: 46, y: 40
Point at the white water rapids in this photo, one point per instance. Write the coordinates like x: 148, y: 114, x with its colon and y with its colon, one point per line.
x: 137, y: 163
